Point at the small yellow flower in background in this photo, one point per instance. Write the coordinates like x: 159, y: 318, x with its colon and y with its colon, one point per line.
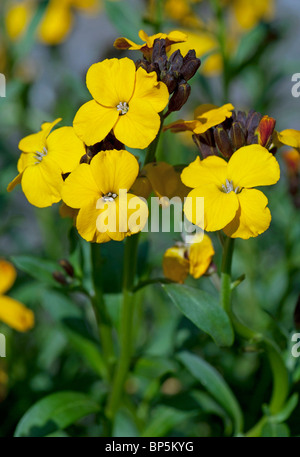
x: 56, y: 22
x: 12, y: 312
x: 249, y: 13
x: 288, y: 137
x: 45, y: 158
x: 292, y: 160
x: 147, y: 47
x: 95, y: 190
x: 125, y: 100
x: 206, y: 116
x: 182, y: 12
x: 183, y: 259
x: 203, y: 42
x: 230, y: 202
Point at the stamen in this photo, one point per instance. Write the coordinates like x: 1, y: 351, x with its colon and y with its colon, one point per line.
x: 109, y: 197
x: 123, y: 107
x: 39, y: 155
x: 228, y: 187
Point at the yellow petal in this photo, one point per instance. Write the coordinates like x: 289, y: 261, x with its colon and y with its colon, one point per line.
x: 37, y: 141
x: 253, y: 216
x: 93, y: 122
x: 42, y: 183
x: 111, y: 81
x: 249, y: 12
x: 290, y: 137
x: 219, y: 207
x: 175, y: 264
x: 17, y: 180
x: 149, y: 91
x: 16, y: 315
x: 18, y: 18
x: 125, y: 43
x: 210, y: 116
x: 212, y: 170
x: 86, y: 223
x: 8, y: 276
x: 80, y: 188
x: 181, y: 126
x: 252, y: 166
x: 114, y: 170
x: 165, y: 181
x: 200, y: 256
x: 138, y: 127
x: 56, y: 23
x: 25, y: 160
x: 65, y: 148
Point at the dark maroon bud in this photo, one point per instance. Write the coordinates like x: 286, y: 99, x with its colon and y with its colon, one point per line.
x: 252, y: 138
x: 190, y: 65
x: 159, y: 55
x: 65, y: 264
x: 237, y: 135
x: 180, y: 97
x: 176, y: 62
x: 170, y: 81
x: 60, y: 278
x: 205, y: 144
x: 241, y: 118
x: 252, y: 122
x: 142, y: 63
x: 223, y: 142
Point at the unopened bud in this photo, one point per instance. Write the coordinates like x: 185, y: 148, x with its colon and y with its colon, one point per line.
x: 237, y: 136
x: 176, y: 62
x: 190, y: 65
x: 206, y: 144
x: 223, y: 142
x: 265, y: 130
x: 170, y: 81
x: 252, y: 122
x: 180, y: 97
x: 159, y: 55
x: 65, y: 264
x: 60, y: 278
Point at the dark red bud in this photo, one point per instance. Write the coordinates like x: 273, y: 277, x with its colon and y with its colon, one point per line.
x: 265, y: 130
x: 65, y: 264
x: 60, y: 278
x: 190, y: 65
x: 180, y: 97
x: 223, y: 142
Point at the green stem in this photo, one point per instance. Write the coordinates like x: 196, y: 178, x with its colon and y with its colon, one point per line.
x: 151, y: 151
x: 126, y: 323
x: 226, y: 274
x: 99, y: 306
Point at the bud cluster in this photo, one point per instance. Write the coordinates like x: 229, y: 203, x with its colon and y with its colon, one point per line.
x: 174, y: 72
x: 240, y: 130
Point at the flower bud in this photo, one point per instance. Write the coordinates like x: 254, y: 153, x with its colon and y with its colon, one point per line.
x: 159, y: 55
x: 60, y: 278
x: 237, y: 136
x: 252, y: 122
x: 176, y: 62
x: 265, y: 130
x: 65, y: 264
x: 190, y: 65
x: 170, y: 81
x: 206, y: 144
x: 180, y: 97
x: 223, y: 142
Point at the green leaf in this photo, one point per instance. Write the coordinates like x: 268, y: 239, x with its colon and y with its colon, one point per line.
x: 203, y: 310
x: 165, y: 419
x: 126, y: 18
x: 37, y: 268
x: 73, y: 323
x: 273, y: 430
x: 213, y: 382
x: 55, y: 412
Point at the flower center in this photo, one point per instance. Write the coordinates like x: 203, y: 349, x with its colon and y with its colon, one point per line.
x: 109, y: 197
x: 39, y: 155
x: 123, y: 108
x: 228, y: 187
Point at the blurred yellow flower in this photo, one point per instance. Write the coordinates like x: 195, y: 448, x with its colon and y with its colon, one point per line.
x: 230, y: 202
x: 45, y: 158
x: 288, y: 137
x: 55, y: 24
x: 12, y: 312
x: 106, y: 213
x: 125, y: 100
x: 206, y: 116
x: 249, y: 13
x: 182, y: 12
x: 206, y: 44
x: 183, y: 259
x: 292, y: 160
x: 147, y: 47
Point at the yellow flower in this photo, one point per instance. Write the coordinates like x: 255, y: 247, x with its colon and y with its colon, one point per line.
x: 204, y: 43
x: 288, y: 137
x: 12, y: 312
x: 99, y: 190
x: 249, y: 13
x: 206, y: 116
x: 181, y: 11
x: 56, y: 22
x: 125, y: 100
x: 292, y: 160
x: 147, y: 47
x: 230, y: 202
x: 183, y: 259
x: 45, y: 158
